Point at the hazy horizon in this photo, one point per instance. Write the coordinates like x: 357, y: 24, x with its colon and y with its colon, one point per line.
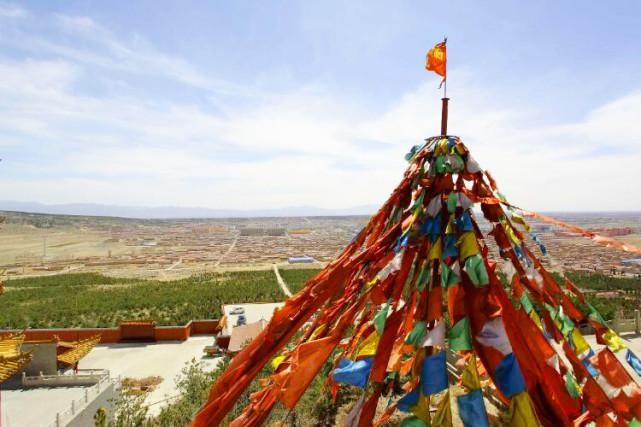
x: 198, y: 212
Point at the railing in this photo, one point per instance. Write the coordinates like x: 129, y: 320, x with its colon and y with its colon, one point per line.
x: 81, y: 377
x: 77, y: 405
x: 620, y: 325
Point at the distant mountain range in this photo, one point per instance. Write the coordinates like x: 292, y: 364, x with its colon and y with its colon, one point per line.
x: 93, y: 209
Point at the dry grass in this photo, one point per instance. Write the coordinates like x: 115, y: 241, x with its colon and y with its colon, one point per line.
x: 138, y: 386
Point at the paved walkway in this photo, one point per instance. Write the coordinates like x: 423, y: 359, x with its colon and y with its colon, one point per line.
x: 281, y: 282
x: 139, y: 360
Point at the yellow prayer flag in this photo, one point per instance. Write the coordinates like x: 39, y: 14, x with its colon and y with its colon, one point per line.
x: 276, y: 361
x: 519, y: 220
x: 521, y: 413
x: 369, y: 345
x: 535, y: 317
x: 580, y: 344
x: 443, y: 415
x: 436, y: 250
x: 422, y: 408
x: 319, y: 330
x: 467, y: 245
x: 613, y: 341
x: 470, y: 376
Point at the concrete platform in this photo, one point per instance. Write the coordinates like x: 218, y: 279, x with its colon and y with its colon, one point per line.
x: 139, y: 360
x: 38, y: 406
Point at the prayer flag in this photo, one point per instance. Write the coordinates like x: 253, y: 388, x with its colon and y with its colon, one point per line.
x: 471, y: 409
x: 437, y: 59
x: 521, y: 413
x: 634, y: 361
x: 353, y: 373
x: 460, y: 336
x: 434, y: 373
x: 508, y: 376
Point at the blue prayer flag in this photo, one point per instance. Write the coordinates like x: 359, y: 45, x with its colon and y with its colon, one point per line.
x: 450, y: 245
x: 432, y: 227
x: 409, y: 400
x: 434, y: 374
x: 634, y: 361
x: 508, y: 376
x: 353, y: 373
x: 464, y: 222
x: 586, y: 362
x: 471, y: 409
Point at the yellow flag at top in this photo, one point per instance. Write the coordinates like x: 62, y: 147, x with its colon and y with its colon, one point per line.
x: 437, y: 59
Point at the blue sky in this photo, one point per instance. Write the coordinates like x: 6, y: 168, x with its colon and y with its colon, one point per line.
x: 275, y: 104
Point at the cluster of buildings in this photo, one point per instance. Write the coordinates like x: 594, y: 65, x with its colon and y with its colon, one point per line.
x: 190, y: 245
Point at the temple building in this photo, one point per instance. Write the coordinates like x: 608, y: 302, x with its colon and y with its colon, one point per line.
x: 36, y: 357
x: 12, y: 359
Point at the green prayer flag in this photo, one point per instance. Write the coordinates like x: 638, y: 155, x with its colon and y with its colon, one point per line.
x: 380, y: 317
x: 526, y: 303
x: 476, y: 271
x: 423, y: 277
x: 452, y: 199
x: 553, y: 311
x: 413, y: 421
x: 595, y: 315
x: 566, y: 325
x: 415, y: 337
x: 460, y: 336
x: 571, y: 386
x: 448, y: 276
x: 419, y: 201
x: 439, y: 165
x: 634, y: 423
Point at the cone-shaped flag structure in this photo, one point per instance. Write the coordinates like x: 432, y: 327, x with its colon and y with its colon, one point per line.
x: 418, y: 289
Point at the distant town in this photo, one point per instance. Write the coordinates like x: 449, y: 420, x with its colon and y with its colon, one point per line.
x: 40, y: 244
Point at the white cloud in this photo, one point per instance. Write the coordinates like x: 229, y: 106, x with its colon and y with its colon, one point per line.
x: 78, y: 24
x: 101, y: 48
x: 11, y: 11
x: 308, y: 146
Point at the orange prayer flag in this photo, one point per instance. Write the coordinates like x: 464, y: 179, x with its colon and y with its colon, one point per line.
x: 307, y: 360
x: 437, y: 59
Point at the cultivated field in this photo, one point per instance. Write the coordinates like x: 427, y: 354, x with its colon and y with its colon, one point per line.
x: 94, y: 300
x: 296, y: 278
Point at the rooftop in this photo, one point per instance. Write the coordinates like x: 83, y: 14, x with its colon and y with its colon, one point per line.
x: 241, y: 335
x: 252, y: 312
